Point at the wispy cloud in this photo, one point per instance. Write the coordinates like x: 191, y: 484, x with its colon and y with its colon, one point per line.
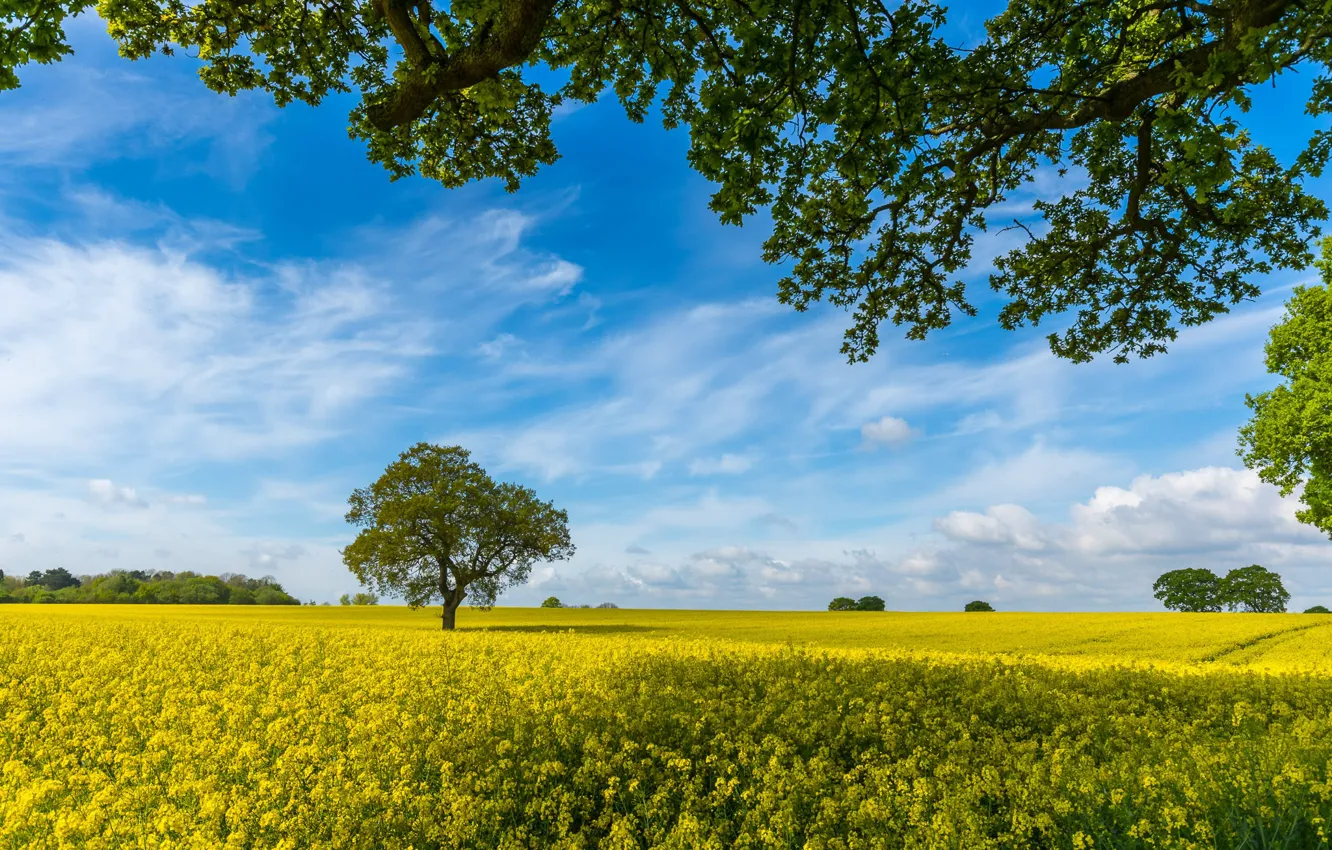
x: 112, y: 111
x: 107, y: 345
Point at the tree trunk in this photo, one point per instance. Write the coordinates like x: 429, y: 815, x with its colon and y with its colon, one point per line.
x: 450, y: 616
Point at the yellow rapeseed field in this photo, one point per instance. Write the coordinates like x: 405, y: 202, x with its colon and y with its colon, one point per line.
x: 201, y: 727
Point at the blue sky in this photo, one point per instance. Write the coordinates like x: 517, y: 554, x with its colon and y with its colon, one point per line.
x: 217, y: 319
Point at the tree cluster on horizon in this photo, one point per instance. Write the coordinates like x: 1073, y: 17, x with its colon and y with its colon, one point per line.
x: 864, y: 603
x: 358, y: 599
x: 161, y: 587
x: 554, y: 602
x: 1252, y: 589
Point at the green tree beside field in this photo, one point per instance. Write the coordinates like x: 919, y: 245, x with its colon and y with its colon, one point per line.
x: 436, y: 528
x: 1289, y: 438
x: 864, y: 603
x: 358, y: 599
x: 159, y: 587
x: 1252, y: 589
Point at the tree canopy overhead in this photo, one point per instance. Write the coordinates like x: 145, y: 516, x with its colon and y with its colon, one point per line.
x: 879, y: 147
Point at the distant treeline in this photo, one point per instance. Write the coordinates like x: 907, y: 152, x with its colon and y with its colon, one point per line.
x: 140, y: 586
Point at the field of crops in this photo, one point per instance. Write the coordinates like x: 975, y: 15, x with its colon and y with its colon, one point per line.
x: 201, y: 727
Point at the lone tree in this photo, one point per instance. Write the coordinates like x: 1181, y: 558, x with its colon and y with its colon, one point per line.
x: 1317, y: 609
x: 552, y: 602
x: 436, y: 528
x: 1190, y: 590
x: 877, y: 144
x: 1256, y: 590
x: 1289, y: 439
x: 842, y: 603
x: 978, y: 605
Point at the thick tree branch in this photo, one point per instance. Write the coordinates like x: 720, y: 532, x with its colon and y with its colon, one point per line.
x: 507, y: 40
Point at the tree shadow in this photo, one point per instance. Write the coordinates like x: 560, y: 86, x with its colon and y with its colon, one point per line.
x: 554, y: 629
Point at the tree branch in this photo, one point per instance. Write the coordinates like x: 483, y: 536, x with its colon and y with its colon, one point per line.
x: 504, y: 41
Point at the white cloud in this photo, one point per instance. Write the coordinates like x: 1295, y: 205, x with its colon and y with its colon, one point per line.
x: 104, y: 492
x: 178, y: 361
x: 1200, y: 510
x: 265, y: 557
x: 749, y: 578
x: 888, y: 431
x: 918, y: 564
x: 107, y: 346
x: 999, y: 524
x: 1113, y: 545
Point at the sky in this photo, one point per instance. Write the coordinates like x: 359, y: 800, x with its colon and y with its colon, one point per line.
x: 217, y: 319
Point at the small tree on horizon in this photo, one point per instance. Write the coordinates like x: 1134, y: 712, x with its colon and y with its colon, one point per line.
x: 1317, y: 609
x: 869, y: 603
x: 978, y: 605
x: 842, y: 603
x: 436, y: 528
x: 552, y: 602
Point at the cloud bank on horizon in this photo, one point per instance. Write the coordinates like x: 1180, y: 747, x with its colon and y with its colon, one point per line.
x: 219, y: 319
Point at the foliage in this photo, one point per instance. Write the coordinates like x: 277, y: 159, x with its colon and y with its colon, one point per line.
x: 608, y: 605
x: 55, y: 579
x: 878, y: 146
x: 1255, y: 590
x: 160, y: 587
x: 1318, y: 609
x: 552, y: 602
x: 435, y: 526
x: 276, y: 729
x: 1288, y: 440
x: 1193, y: 589
x: 978, y: 605
x: 864, y: 603
x: 358, y: 599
